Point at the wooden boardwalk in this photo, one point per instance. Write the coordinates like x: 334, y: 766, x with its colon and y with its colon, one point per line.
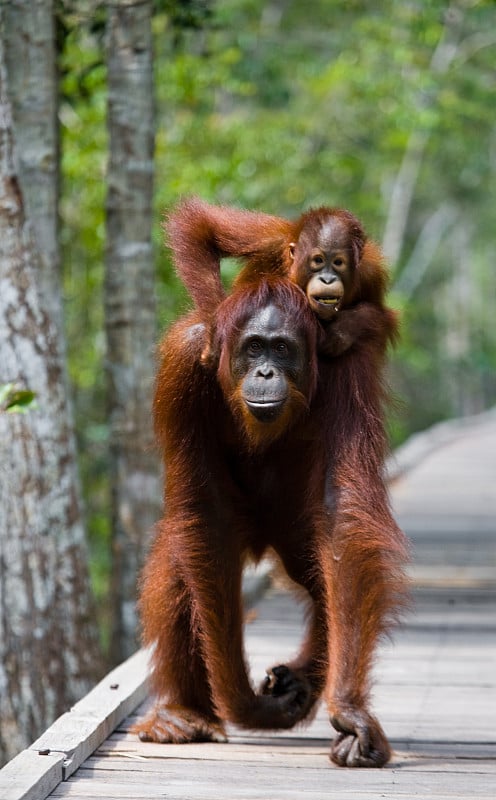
x: 436, y: 683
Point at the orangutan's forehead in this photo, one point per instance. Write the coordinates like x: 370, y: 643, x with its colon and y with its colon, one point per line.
x: 267, y: 321
x: 333, y: 232
x: 328, y: 233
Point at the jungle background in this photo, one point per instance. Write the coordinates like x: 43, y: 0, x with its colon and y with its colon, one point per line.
x: 386, y: 109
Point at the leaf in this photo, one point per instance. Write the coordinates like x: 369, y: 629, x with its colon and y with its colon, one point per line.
x: 15, y: 400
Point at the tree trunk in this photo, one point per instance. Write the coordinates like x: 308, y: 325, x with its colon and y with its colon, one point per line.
x: 32, y: 74
x: 48, y: 644
x: 130, y: 307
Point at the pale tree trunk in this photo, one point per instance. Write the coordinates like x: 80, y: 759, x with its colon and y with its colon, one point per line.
x: 48, y: 643
x: 33, y: 88
x: 130, y: 307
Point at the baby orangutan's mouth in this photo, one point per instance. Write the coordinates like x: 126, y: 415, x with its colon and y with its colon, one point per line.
x: 325, y: 306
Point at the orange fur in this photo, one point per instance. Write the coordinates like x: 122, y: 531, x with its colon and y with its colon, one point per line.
x: 311, y: 489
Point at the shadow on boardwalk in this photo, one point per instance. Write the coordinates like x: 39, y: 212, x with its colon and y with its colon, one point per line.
x: 436, y: 683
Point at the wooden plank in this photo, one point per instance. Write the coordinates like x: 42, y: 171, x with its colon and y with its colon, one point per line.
x: 31, y: 776
x: 201, y: 780
x: 78, y: 733
x: 278, y: 748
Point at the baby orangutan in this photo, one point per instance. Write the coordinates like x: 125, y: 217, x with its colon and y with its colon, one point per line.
x: 325, y: 252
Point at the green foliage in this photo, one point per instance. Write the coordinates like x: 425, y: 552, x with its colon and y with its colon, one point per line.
x: 15, y: 400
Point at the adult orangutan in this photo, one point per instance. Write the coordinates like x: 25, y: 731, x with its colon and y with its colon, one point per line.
x: 325, y: 252
x: 272, y: 450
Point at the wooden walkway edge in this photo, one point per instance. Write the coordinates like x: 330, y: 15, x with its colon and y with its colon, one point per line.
x: 74, y: 736
x: 35, y: 772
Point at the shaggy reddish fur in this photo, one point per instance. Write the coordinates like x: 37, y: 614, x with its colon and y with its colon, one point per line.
x: 313, y: 492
